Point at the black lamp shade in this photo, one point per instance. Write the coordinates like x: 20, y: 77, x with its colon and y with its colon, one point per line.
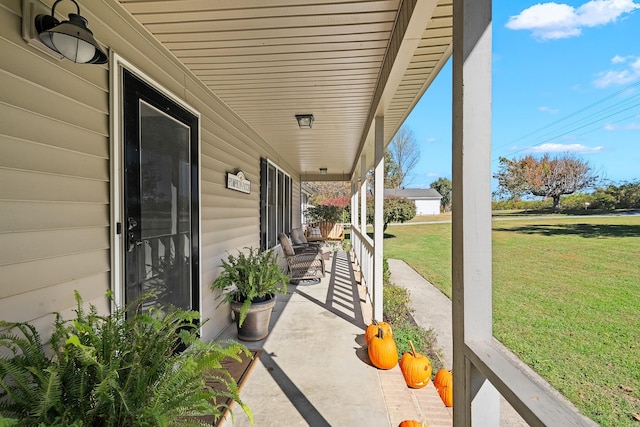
x: 72, y: 39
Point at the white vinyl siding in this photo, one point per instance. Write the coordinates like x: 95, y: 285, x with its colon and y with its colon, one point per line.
x: 427, y: 207
x: 54, y: 180
x: 55, y: 162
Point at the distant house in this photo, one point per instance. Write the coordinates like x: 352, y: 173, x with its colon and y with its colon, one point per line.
x: 427, y: 199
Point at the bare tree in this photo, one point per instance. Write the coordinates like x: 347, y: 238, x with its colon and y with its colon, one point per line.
x: 391, y: 173
x: 405, y: 153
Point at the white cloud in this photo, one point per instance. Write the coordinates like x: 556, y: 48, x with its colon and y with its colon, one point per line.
x: 431, y: 140
x: 546, y: 109
x: 600, y: 12
x: 619, y: 59
x: 548, y: 21
x: 627, y: 71
x: 564, y: 148
x: 608, y: 78
x: 628, y: 126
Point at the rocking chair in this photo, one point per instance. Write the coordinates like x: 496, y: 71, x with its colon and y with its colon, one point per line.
x: 303, y: 265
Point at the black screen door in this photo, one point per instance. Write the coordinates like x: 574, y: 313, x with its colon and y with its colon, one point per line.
x: 160, y: 199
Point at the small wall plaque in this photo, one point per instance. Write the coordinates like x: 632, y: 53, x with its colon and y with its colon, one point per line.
x: 238, y: 182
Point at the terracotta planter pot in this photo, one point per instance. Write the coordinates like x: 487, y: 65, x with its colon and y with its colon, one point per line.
x: 256, y: 325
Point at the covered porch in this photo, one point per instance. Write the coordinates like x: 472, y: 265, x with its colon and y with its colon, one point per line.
x: 245, y: 70
x: 314, y: 369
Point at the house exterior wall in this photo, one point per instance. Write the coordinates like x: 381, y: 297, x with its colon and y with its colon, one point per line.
x: 55, y: 162
x: 427, y: 207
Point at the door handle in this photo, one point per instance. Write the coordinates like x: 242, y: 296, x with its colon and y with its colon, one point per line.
x: 132, y: 223
x: 132, y: 242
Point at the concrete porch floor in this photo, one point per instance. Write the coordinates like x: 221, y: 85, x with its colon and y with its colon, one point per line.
x: 314, y: 369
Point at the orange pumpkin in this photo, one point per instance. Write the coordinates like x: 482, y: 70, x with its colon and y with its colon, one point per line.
x: 372, y: 330
x: 444, y: 384
x: 416, y: 368
x: 412, y: 423
x: 382, y: 351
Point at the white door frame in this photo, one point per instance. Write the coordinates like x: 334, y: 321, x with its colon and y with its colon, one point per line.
x: 117, y: 65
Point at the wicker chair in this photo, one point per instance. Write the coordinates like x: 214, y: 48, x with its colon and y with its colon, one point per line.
x: 300, y: 244
x: 306, y: 264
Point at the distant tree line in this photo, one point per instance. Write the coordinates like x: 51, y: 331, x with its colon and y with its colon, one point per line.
x: 622, y: 196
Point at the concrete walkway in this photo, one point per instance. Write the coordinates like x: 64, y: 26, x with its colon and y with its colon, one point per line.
x: 432, y: 309
x: 314, y: 369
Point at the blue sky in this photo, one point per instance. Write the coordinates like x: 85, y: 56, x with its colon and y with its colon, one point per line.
x: 566, y: 79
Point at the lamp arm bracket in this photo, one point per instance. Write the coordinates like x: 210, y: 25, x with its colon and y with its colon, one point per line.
x: 53, y: 8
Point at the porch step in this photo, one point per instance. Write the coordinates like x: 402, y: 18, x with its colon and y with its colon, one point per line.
x: 404, y: 403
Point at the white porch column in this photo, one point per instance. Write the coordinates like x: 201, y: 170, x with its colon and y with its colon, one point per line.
x: 378, y: 223
x: 354, y: 201
x: 476, y: 400
x: 356, y: 248
x: 364, y: 256
x: 363, y: 194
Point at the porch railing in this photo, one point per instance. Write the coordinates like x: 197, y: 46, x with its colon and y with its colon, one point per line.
x: 363, y: 249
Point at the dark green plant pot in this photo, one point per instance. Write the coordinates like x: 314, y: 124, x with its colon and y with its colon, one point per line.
x: 256, y: 325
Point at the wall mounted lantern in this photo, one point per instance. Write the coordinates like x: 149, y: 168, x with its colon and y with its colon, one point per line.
x: 72, y: 39
x: 304, y: 120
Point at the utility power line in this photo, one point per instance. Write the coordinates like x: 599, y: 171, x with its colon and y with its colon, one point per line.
x: 593, y: 119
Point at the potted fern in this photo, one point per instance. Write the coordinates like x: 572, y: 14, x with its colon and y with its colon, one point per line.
x: 249, y: 281
x: 116, y: 370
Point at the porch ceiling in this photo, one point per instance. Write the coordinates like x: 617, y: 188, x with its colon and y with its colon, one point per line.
x: 344, y: 61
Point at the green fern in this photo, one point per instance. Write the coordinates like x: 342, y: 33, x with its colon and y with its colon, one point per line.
x: 114, y: 370
x: 249, y: 275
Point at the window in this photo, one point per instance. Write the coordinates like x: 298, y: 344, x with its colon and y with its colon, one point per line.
x: 275, y: 203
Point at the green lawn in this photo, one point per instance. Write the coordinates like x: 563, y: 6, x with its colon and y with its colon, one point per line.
x: 566, y: 301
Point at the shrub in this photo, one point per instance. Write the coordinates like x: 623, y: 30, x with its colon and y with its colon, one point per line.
x: 423, y: 339
x: 601, y: 200
x: 386, y: 271
x: 395, y: 304
x: 529, y: 205
x: 396, y: 311
x: 396, y: 209
x: 596, y: 200
x: 575, y: 201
